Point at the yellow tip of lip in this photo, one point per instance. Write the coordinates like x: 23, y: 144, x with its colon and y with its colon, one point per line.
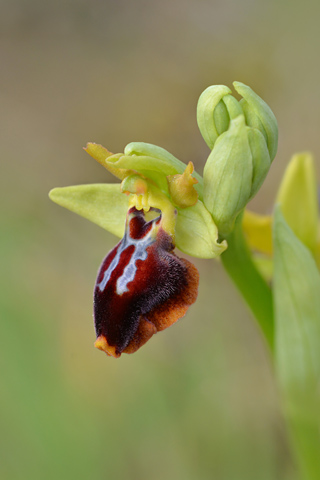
x: 102, y: 344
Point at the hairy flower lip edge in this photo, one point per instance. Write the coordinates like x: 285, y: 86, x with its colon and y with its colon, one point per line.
x: 160, y: 266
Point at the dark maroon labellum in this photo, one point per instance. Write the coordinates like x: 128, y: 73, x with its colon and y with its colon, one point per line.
x: 142, y: 287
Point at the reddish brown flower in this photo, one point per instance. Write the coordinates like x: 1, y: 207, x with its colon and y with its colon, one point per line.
x: 142, y: 287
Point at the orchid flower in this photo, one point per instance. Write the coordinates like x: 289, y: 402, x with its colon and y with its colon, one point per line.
x: 162, y: 203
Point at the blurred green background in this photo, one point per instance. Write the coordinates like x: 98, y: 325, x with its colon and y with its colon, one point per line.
x: 199, y: 400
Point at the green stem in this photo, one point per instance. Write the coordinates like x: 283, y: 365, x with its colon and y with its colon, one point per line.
x: 237, y: 260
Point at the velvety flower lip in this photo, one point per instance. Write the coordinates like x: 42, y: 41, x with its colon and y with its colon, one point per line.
x: 142, y: 287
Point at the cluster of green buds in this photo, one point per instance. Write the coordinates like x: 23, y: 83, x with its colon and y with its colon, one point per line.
x: 142, y: 286
x: 243, y: 138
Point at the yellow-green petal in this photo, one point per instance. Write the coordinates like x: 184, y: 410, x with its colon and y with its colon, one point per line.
x: 196, y: 232
x: 103, y: 204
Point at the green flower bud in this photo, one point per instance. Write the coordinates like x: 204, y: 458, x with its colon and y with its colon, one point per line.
x: 228, y: 175
x: 259, y: 115
x: 243, y: 139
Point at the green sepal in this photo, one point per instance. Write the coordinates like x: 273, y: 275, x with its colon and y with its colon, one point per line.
x: 296, y: 288
x: 101, y: 203
x: 228, y: 176
x: 209, y: 125
x: 264, y: 113
x: 196, y: 232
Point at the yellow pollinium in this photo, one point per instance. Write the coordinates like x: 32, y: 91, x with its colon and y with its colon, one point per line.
x: 146, y: 195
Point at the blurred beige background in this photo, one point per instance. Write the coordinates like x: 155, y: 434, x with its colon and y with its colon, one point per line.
x: 198, y: 401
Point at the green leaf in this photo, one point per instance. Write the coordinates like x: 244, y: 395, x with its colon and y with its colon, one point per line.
x: 240, y: 265
x: 298, y: 197
x: 196, y: 232
x: 296, y: 292
x: 102, y: 204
